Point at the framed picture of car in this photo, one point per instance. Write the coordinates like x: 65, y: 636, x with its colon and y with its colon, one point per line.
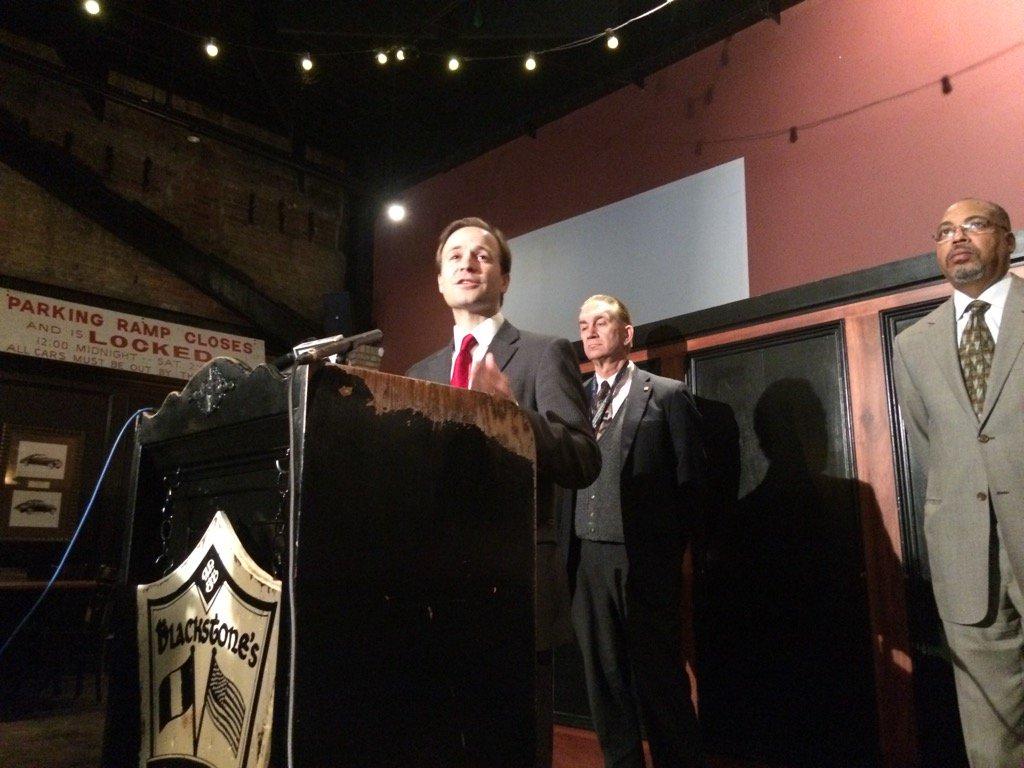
x: 38, y: 500
x: 35, y: 509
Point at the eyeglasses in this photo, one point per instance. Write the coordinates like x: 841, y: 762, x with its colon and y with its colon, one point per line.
x: 972, y: 226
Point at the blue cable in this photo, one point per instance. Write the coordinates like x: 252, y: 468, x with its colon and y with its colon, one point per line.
x: 78, y: 530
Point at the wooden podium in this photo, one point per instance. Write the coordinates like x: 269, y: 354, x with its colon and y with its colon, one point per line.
x: 413, y: 558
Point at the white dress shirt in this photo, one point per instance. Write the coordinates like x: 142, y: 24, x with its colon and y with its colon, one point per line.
x: 620, y: 396
x: 483, y: 333
x: 995, y: 295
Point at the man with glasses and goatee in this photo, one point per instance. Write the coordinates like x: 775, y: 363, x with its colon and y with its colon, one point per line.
x: 960, y: 381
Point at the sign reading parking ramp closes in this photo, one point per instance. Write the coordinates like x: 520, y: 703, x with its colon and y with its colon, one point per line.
x: 38, y: 326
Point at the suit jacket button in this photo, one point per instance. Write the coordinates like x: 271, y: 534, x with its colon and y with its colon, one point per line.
x: 983, y: 438
x: 982, y: 496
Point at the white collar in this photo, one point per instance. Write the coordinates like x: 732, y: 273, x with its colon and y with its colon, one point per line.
x: 995, y: 295
x: 599, y: 379
x: 484, y: 332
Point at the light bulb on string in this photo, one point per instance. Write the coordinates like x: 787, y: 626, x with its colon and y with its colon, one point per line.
x: 306, y: 63
x: 611, y: 40
x: 531, y: 63
x: 211, y: 48
x: 454, y: 63
x: 382, y: 58
x: 92, y: 7
x: 400, y: 54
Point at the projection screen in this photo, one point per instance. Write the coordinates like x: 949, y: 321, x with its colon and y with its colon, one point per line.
x: 671, y: 250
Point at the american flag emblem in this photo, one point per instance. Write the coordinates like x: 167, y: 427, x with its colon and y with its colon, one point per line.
x: 225, y: 704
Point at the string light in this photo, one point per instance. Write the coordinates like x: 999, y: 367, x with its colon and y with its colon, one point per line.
x: 396, y: 212
x: 93, y: 8
x: 401, y: 54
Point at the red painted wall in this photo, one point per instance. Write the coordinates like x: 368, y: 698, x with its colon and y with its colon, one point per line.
x: 858, y: 191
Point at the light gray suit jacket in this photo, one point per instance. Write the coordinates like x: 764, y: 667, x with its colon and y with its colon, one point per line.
x: 544, y: 377
x: 970, y: 461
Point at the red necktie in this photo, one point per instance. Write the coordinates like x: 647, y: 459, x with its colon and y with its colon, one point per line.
x: 460, y: 372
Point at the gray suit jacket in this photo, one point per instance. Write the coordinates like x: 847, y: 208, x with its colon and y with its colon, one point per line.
x: 544, y: 377
x: 970, y: 461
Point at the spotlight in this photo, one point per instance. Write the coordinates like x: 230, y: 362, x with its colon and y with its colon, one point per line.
x: 92, y: 7
x: 454, y: 63
x: 611, y: 40
x: 530, y: 63
x: 400, y: 54
x: 382, y: 58
x: 396, y: 212
x: 306, y: 63
x: 211, y: 48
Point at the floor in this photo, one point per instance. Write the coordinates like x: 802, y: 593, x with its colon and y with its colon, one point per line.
x: 71, y: 736
x: 66, y: 737
x: 575, y: 748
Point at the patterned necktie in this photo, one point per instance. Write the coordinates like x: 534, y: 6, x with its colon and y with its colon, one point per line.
x: 600, y: 409
x: 463, y: 361
x: 976, y: 349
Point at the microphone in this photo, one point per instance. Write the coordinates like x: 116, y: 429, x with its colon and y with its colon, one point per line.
x: 311, y: 351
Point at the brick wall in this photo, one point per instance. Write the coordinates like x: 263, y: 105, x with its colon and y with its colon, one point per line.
x: 261, y: 217
x: 44, y: 241
x: 366, y: 356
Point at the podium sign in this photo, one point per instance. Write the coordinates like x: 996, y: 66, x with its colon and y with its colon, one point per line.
x: 208, y: 651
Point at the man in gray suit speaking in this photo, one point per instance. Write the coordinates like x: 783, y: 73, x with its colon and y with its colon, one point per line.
x: 959, y: 377
x: 540, y: 374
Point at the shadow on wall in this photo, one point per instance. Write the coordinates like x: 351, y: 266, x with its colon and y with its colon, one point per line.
x: 782, y: 624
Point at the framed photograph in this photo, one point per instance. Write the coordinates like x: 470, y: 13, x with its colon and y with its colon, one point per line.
x: 35, y: 509
x: 39, y: 497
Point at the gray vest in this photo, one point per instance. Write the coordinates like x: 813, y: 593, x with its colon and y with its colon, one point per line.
x: 599, y: 507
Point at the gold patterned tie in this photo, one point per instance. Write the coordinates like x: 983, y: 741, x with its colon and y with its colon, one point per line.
x: 976, y: 349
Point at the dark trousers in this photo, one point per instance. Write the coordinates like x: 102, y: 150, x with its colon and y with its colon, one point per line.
x: 632, y: 659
